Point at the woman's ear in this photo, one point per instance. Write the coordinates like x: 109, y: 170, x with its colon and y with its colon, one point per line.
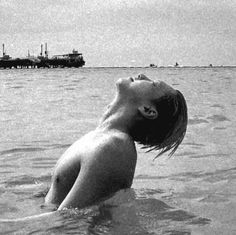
x: 148, y: 111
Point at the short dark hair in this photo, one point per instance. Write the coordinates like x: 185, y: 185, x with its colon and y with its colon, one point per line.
x: 166, y: 132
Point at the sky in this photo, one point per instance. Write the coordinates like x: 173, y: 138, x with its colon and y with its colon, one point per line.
x: 123, y: 33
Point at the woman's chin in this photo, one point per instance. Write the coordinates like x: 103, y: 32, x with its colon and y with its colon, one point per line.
x: 122, y: 83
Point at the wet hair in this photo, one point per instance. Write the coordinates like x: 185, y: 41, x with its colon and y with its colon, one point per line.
x: 166, y: 132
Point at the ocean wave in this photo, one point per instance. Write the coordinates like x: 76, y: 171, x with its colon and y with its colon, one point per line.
x: 212, y: 177
x: 26, y: 180
x: 20, y: 150
x: 33, y: 149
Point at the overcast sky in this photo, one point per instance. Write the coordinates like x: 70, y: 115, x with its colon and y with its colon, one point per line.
x: 123, y: 33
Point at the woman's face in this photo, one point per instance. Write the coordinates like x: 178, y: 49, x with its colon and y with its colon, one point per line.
x: 142, y: 89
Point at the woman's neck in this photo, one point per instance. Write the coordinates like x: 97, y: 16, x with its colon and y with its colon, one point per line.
x: 119, y: 115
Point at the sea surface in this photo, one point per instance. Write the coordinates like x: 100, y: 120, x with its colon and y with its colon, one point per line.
x: 43, y: 111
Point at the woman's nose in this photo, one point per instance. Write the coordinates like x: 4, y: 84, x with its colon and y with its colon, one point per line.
x: 143, y: 77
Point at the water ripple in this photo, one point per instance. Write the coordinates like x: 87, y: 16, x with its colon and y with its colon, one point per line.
x: 33, y: 149
x: 20, y: 150
x: 6, y: 208
x: 159, y: 210
x: 212, y: 177
x: 210, y: 155
x: 196, y: 121
x: 17, y: 87
x: 193, y: 144
x: 26, y: 180
x: 218, y: 118
x: 217, y: 106
x: 177, y: 232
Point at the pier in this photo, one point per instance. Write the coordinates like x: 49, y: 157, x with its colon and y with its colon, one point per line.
x: 69, y: 60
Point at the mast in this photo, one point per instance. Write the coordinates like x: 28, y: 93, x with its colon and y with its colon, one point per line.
x: 3, y: 49
x: 46, y: 50
x: 41, y: 53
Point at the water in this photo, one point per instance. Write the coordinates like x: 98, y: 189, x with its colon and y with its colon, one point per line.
x: 43, y: 111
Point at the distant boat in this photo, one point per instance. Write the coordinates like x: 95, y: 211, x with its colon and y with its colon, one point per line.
x: 153, y: 66
x: 176, y: 64
x: 73, y: 59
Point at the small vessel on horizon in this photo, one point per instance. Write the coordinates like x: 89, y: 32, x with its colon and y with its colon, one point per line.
x: 176, y: 64
x: 153, y: 66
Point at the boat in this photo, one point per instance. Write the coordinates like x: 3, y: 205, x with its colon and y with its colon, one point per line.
x: 69, y: 60
x: 176, y: 64
x: 73, y: 59
x: 153, y: 66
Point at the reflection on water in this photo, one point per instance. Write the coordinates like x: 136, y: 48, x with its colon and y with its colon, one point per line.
x: 44, y: 111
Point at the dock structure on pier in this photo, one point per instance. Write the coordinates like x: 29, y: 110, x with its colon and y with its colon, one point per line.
x: 73, y: 59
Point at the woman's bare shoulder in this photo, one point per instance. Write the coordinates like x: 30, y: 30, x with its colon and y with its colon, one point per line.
x: 118, y: 141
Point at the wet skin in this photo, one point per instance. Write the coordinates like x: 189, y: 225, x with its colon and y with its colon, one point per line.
x: 103, y: 161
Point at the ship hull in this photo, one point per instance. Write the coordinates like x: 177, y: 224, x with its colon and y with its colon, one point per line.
x: 46, y: 63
